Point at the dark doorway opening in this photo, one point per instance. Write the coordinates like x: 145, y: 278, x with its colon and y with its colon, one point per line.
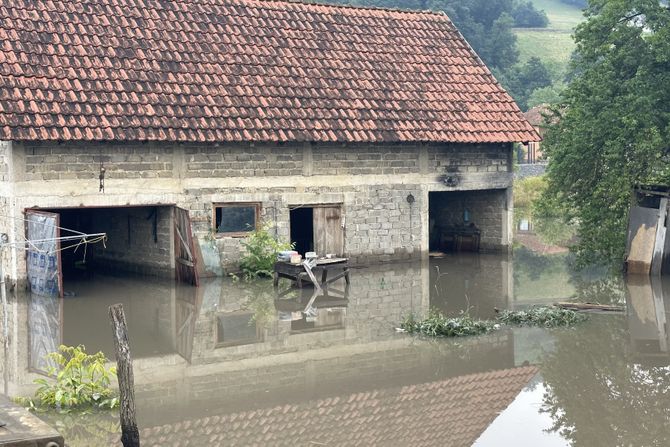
x: 139, y: 240
x: 455, y: 221
x: 151, y: 240
x: 302, y: 229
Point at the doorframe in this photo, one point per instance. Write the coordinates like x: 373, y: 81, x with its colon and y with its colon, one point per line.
x: 339, y: 203
x: 46, y: 209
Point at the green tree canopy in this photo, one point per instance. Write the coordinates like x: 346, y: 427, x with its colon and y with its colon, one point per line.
x: 613, y: 127
x: 524, y: 79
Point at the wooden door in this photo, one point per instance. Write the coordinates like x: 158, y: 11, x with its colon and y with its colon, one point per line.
x: 45, y: 273
x: 184, y: 252
x: 328, y: 230
x: 187, y: 311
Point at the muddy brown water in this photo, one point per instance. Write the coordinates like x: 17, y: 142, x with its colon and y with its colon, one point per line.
x: 235, y: 364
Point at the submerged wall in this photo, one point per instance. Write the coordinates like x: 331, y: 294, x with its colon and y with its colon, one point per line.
x: 371, y: 183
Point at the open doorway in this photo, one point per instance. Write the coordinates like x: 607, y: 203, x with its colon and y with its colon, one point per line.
x: 140, y: 240
x: 318, y: 228
x: 302, y: 229
x: 462, y: 221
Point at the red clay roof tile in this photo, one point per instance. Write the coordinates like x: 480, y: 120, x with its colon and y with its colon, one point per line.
x: 202, y: 70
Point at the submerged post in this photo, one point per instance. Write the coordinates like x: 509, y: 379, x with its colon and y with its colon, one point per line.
x: 130, y: 435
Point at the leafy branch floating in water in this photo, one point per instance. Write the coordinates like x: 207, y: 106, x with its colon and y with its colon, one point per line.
x: 437, y: 324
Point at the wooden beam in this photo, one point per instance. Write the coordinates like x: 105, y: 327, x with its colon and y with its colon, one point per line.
x: 589, y: 306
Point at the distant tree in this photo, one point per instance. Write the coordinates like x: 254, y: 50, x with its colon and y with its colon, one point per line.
x: 545, y: 95
x: 614, y: 127
x: 524, y: 79
x: 525, y: 15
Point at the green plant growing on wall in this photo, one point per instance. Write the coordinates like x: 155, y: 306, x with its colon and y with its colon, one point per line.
x: 261, y: 249
x: 81, y: 381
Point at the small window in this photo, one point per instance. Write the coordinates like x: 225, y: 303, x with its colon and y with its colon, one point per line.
x: 236, y: 219
x: 237, y: 328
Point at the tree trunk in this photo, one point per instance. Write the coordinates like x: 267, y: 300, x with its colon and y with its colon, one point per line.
x: 130, y: 435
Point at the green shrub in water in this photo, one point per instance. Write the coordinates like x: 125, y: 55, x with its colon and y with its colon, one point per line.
x: 542, y: 317
x: 438, y: 325
x: 81, y: 380
x: 261, y: 249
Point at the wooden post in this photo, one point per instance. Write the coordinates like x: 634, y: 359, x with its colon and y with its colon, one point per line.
x: 130, y: 435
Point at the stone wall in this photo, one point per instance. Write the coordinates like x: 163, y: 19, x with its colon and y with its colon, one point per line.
x: 530, y: 170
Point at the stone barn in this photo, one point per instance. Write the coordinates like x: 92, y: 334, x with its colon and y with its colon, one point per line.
x: 178, y: 127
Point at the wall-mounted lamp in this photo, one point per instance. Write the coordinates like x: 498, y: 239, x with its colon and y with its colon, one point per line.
x: 410, y: 199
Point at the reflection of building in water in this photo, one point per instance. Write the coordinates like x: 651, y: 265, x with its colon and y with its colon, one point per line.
x: 471, y: 282
x: 648, y: 309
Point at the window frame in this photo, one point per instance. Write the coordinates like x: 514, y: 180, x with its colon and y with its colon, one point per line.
x: 239, y: 341
x: 218, y: 205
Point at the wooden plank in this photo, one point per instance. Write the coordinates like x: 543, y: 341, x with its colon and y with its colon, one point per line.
x: 185, y: 261
x: 328, y: 231
x: 589, y: 306
x: 661, y: 234
x: 19, y: 427
x: 641, y: 237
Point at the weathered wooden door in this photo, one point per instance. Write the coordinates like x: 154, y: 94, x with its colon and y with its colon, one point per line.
x: 45, y: 274
x: 187, y: 311
x: 184, y: 252
x: 328, y: 230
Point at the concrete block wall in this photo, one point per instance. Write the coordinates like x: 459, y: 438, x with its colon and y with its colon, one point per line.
x: 55, y: 161
x: 486, y: 209
x: 469, y: 158
x: 371, y: 182
x: 244, y: 160
x: 390, y: 159
x: 134, y: 249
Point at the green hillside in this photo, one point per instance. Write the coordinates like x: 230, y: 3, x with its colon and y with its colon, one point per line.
x: 554, y: 44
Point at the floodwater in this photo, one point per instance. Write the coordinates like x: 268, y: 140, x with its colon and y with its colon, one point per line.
x: 234, y: 363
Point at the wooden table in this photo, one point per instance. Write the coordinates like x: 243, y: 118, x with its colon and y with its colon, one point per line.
x: 294, y: 271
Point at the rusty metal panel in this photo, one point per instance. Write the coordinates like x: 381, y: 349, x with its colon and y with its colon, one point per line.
x: 328, y: 231
x: 184, y: 250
